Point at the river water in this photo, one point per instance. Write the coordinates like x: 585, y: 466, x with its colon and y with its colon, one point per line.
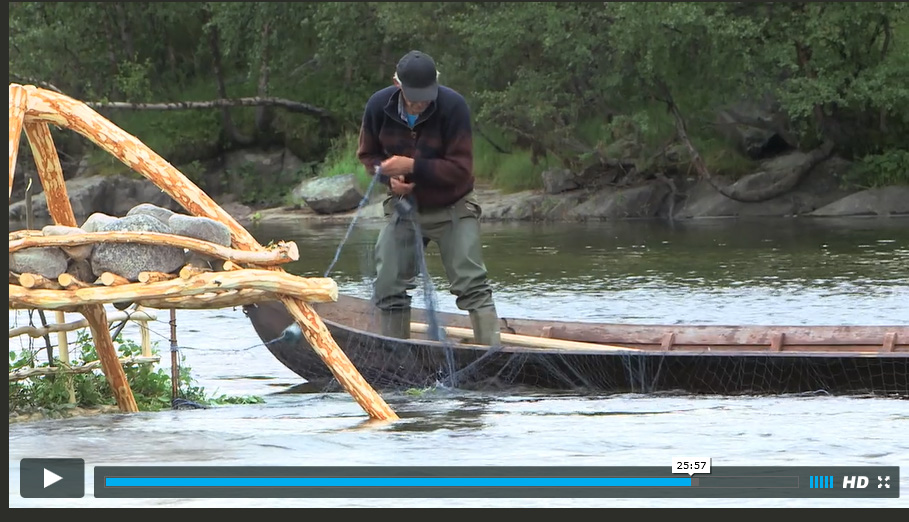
x: 711, y: 272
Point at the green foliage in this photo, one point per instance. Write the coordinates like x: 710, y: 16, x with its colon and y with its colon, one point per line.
x: 486, y: 157
x: 880, y: 170
x: 724, y: 160
x: 554, y: 78
x: 517, y: 172
x: 151, y: 387
x: 178, y: 136
x: 342, y: 159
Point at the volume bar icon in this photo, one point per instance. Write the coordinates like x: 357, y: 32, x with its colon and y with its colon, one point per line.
x: 820, y: 482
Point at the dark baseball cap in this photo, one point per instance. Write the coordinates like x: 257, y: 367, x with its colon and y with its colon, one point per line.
x: 417, y: 75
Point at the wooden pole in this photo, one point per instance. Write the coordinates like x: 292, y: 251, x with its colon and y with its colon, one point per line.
x: 17, y: 103
x: 63, y: 354
x: 62, y: 341
x: 37, y: 332
x: 89, y: 367
x: 144, y: 335
x: 529, y: 340
x: 110, y: 362
x: 174, y: 364
x: 279, y: 253
x: 51, y: 173
x: 313, y: 289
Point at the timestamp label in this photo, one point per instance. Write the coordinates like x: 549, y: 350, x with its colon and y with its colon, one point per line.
x: 690, y: 466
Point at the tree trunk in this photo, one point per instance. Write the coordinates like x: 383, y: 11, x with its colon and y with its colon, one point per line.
x: 172, y: 60
x: 264, y: 114
x: 230, y: 130
x: 112, y: 60
x: 223, y: 103
x: 385, y: 58
x: 126, y: 38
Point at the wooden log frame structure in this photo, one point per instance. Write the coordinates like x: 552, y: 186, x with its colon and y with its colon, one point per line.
x: 61, y: 327
x: 255, y: 270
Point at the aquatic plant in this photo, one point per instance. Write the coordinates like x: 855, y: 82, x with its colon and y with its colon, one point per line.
x: 67, y: 389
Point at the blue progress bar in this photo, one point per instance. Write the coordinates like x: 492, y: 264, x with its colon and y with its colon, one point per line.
x: 397, y: 482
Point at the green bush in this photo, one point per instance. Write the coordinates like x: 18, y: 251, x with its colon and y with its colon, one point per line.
x: 151, y: 387
x: 342, y: 159
x: 881, y: 170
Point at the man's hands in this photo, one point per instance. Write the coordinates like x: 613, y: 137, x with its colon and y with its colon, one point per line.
x: 399, y: 186
x: 396, y: 167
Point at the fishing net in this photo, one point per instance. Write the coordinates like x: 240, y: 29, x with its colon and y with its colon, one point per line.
x: 614, y: 359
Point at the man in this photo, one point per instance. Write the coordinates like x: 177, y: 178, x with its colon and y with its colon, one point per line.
x: 416, y: 134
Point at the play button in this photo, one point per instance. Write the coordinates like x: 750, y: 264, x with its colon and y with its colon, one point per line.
x: 52, y: 478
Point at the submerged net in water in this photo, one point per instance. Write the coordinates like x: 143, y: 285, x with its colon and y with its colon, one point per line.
x: 687, y: 360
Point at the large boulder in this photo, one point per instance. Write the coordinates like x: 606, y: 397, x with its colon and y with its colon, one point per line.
x: 329, y: 195
x: 755, y: 127
x: 882, y: 201
x: 113, y: 195
x: 205, y: 229
x: 556, y: 181
x: 97, y: 221
x: 48, y: 262
x: 129, y: 259
x: 645, y: 201
x: 820, y: 187
x: 78, y: 253
x: 162, y: 214
x: 198, y: 227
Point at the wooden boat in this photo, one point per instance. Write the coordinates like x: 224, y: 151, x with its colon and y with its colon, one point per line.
x: 598, y: 358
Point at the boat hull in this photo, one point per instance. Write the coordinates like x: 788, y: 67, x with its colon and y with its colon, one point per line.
x: 714, y: 364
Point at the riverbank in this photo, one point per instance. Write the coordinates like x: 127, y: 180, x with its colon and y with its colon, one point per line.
x: 822, y: 192
x: 649, y: 201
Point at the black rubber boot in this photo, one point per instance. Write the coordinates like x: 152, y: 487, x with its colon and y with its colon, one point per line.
x: 395, y: 323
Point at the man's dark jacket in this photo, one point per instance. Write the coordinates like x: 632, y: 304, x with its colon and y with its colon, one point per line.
x: 441, y: 144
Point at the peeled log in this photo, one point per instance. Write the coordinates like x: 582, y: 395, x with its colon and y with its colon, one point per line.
x: 50, y: 172
x: 112, y: 279
x: 230, y: 265
x: 110, y: 361
x: 19, y: 234
x: 154, y: 277
x: 189, y: 271
x: 17, y: 103
x: 37, y: 281
x: 71, y: 281
x: 37, y: 332
x: 313, y: 290
x: 210, y: 301
x: 283, y: 252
